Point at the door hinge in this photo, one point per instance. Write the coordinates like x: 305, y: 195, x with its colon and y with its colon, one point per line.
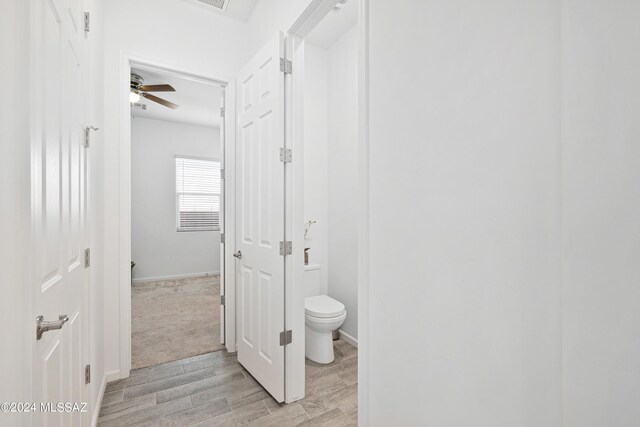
x: 286, y: 337
x: 87, y: 135
x: 286, y: 155
x: 87, y: 22
x: 286, y: 66
x: 286, y: 248
x: 222, y: 240
x: 221, y: 173
x: 87, y: 258
x: 222, y: 300
x: 87, y: 374
x: 221, y: 111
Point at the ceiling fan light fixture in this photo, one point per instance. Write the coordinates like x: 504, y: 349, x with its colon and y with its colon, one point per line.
x: 139, y: 90
x: 134, y: 97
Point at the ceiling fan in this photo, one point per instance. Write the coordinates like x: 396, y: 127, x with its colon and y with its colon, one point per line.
x: 139, y: 89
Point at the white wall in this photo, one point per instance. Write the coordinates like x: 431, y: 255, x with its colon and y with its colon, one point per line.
x: 601, y: 221
x: 158, y: 250
x: 316, y: 180
x: 331, y: 168
x: 464, y: 269
x: 342, y: 83
x: 201, y: 42
x: 15, y: 210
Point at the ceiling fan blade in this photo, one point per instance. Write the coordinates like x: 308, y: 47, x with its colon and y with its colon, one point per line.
x: 157, y: 88
x: 160, y: 101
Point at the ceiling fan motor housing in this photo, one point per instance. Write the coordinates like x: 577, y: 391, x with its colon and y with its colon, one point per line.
x: 136, y: 81
x: 138, y: 87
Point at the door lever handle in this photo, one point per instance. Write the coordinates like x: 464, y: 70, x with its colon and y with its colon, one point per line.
x: 238, y: 255
x: 43, y: 326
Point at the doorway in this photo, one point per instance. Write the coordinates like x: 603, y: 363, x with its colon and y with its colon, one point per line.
x: 326, y: 135
x: 270, y: 238
x: 176, y: 291
x: 271, y: 151
x: 257, y: 83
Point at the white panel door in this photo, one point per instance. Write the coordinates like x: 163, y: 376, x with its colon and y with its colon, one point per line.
x: 260, y: 217
x: 59, y: 279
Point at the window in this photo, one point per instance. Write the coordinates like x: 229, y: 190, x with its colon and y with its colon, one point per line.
x: 197, y: 194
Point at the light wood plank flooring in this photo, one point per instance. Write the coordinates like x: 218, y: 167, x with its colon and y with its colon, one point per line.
x: 214, y: 390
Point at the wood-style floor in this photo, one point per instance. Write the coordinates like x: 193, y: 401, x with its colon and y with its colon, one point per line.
x: 214, y: 390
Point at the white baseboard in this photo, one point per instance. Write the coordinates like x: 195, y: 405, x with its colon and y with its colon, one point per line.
x: 98, y: 402
x: 348, y: 338
x: 112, y: 376
x: 176, y: 277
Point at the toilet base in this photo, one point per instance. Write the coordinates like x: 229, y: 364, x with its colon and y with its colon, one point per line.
x: 318, y: 346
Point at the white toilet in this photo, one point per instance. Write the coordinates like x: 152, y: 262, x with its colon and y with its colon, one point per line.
x: 323, y: 315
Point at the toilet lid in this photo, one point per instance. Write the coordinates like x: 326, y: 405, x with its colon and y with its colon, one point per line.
x: 323, y: 306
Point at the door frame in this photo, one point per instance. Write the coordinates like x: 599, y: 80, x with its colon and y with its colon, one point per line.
x: 294, y: 138
x: 128, y: 60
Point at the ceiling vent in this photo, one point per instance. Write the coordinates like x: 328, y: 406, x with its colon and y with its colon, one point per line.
x: 218, y: 4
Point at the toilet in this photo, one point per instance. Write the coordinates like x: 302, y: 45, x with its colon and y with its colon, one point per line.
x: 323, y: 315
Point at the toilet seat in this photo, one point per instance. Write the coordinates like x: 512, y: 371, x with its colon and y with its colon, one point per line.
x: 323, y: 306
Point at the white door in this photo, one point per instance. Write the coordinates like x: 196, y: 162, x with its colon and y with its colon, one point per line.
x: 260, y: 217
x: 59, y: 279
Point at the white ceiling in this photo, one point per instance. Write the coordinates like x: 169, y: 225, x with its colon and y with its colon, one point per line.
x: 335, y: 25
x: 237, y: 9
x: 199, y: 103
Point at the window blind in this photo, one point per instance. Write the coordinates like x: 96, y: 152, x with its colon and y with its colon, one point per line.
x: 197, y: 194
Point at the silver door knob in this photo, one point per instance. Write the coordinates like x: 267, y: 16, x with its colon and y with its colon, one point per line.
x: 43, y: 326
x: 238, y: 255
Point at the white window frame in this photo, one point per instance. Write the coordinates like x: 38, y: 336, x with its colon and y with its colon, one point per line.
x: 178, y: 194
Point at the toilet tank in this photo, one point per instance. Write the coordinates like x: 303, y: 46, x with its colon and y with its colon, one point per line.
x: 312, y: 280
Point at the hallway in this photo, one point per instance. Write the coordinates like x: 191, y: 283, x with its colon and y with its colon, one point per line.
x: 452, y: 186
x: 213, y: 390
